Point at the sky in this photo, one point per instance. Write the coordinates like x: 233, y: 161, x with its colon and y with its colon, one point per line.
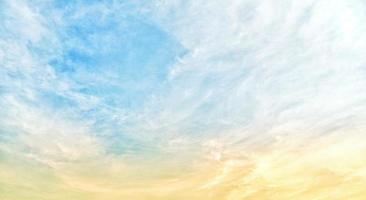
x: 182, y: 99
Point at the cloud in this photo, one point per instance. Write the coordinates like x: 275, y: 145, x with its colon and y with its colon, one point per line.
x: 255, y: 64
x: 238, y: 95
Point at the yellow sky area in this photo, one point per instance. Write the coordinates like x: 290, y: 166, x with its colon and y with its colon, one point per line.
x: 329, y: 168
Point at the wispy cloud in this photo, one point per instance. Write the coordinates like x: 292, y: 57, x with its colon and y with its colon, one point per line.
x: 239, y: 99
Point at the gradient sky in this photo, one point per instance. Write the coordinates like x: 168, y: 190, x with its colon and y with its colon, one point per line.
x: 182, y: 99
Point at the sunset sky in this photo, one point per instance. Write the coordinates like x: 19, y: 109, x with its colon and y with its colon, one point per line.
x: 182, y: 100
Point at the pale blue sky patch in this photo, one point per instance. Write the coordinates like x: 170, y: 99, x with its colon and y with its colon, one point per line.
x: 94, y: 62
x: 139, y: 72
x: 121, y: 58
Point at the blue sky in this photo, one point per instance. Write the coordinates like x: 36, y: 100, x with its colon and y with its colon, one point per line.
x: 181, y: 81
x: 182, y: 99
x: 143, y: 73
x: 88, y: 61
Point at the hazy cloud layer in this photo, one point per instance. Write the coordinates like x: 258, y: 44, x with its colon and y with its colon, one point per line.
x: 196, y: 99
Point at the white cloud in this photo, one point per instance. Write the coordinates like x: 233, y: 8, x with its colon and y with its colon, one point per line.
x: 253, y: 67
